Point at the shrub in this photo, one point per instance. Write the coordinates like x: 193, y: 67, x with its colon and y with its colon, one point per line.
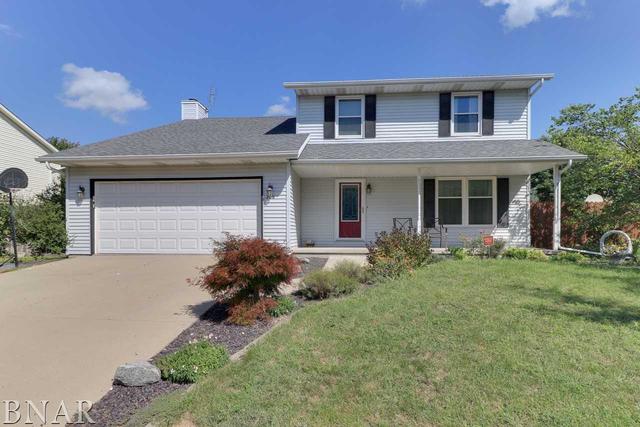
x: 477, y: 247
x: 285, y: 305
x: 247, y: 268
x: 39, y: 225
x: 246, y: 312
x: 636, y: 250
x: 192, y: 362
x: 576, y: 257
x: 321, y: 284
x: 398, y: 251
x: 525, y: 253
x: 351, y: 269
x: 458, y: 253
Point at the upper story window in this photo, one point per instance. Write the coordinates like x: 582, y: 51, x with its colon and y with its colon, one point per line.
x: 349, y: 117
x: 466, y: 114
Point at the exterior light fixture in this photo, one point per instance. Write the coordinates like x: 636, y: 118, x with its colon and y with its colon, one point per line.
x: 369, y: 189
x: 80, y: 191
x: 269, y: 192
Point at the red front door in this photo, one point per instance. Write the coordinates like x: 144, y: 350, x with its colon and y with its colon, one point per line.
x: 350, y: 221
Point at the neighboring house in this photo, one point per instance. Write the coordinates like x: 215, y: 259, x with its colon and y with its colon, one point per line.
x: 19, y: 147
x: 454, y: 151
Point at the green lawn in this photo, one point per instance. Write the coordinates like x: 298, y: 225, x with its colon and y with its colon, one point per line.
x: 465, y: 342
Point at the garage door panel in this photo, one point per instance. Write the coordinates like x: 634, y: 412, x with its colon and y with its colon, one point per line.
x: 173, y: 216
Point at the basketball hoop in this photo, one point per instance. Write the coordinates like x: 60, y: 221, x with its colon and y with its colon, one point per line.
x: 13, y: 179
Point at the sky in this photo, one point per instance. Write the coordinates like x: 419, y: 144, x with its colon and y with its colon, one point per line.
x: 88, y: 70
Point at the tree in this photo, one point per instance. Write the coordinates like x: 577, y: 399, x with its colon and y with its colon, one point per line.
x: 55, y: 193
x: 62, y: 143
x: 611, y: 139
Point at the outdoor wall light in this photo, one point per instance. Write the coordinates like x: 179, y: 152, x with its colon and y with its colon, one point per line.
x: 80, y: 191
x: 269, y: 192
x: 369, y: 189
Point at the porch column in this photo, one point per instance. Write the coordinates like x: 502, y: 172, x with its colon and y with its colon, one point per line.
x: 420, y: 196
x: 557, y: 206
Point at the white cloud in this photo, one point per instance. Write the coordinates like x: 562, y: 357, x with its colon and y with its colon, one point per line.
x: 520, y: 13
x: 8, y: 30
x: 407, y: 3
x: 282, y: 108
x: 108, y: 92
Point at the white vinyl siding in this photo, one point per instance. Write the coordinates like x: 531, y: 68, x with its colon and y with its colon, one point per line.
x: 511, y: 114
x: 519, y: 231
x: 414, y: 117
x: 397, y: 198
x: 19, y: 150
x: 274, y: 211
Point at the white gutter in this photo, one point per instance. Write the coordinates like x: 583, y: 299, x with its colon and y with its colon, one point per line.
x: 428, y: 80
x: 442, y: 160
x: 55, y: 159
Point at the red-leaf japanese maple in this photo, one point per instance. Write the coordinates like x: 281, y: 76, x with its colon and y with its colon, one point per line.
x: 247, y: 268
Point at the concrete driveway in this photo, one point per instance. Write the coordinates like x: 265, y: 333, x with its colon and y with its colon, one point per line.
x: 66, y: 326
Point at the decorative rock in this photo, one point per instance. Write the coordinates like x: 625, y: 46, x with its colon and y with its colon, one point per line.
x: 304, y: 260
x: 136, y: 374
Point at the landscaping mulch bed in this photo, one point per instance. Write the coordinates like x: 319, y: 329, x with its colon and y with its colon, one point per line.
x: 120, y: 403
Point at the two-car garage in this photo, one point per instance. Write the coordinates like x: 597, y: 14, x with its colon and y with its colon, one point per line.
x: 173, y: 216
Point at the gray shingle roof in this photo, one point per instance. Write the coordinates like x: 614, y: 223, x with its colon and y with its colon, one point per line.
x: 438, y: 150
x: 262, y: 135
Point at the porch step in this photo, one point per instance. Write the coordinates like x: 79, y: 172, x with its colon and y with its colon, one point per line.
x: 347, y: 251
x: 330, y: 251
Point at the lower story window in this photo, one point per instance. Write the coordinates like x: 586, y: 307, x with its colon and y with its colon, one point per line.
x: 480, y: 201
x: 450, y: 202
x: 465, y: 201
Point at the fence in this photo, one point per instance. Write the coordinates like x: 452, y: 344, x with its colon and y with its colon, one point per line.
x: 542, y: 227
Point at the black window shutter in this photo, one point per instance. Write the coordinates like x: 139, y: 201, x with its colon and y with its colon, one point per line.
x: 487, y: 112
x: 370, y: 116
x: 429, y: 202
x: 329, y: 117
x: 444, y: 124
x: 503, y: 202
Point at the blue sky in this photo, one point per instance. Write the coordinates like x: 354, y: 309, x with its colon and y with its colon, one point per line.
x: 53, y: 55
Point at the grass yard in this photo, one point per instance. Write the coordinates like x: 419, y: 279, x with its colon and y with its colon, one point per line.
x: 465, y: 342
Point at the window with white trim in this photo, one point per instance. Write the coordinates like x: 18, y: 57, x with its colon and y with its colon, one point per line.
x: 466, y: 201
x: 466, y: 114
x: 450, y: 202
x: 480, y: 201
x: 349, y: 117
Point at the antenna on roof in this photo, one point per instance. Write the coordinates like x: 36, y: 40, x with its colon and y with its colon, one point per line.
x: 212, y: 97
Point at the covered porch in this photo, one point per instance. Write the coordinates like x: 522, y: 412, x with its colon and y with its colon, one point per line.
x: 343, y: 204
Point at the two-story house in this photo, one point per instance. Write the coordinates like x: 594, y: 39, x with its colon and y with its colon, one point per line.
x: 455, y: 152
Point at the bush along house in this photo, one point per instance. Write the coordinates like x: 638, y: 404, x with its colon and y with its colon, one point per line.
x: 448, y: 156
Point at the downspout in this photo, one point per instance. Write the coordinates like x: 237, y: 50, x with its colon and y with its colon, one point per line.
x: 557, y: 203
x: 52, y: 169
x: 530, y: 93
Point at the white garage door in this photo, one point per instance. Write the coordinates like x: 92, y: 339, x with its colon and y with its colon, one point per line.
x: 173, y: 216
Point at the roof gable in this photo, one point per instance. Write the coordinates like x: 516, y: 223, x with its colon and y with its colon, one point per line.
x: 33, y: 135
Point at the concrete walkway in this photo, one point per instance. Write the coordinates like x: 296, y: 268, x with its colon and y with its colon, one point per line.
x: 68, y: 324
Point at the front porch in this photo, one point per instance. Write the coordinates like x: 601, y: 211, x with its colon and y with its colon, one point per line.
x: 339, y: 208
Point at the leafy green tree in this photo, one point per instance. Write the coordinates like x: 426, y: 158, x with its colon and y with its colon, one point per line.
x: 62, y: 143
x: 611, y: 139
x: 55, y: 193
